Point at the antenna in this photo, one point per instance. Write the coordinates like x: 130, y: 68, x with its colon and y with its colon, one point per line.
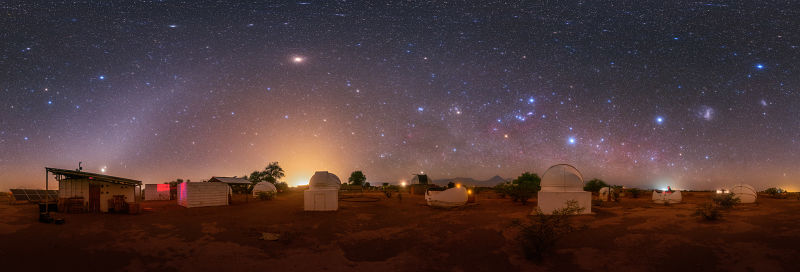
x: 79, y: 166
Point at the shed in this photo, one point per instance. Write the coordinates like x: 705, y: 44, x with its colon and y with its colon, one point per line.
x: 156, y: 192
x: 322, y: 193
x: 202, y: 194
x: 562, y: 183
x: 80, y: 191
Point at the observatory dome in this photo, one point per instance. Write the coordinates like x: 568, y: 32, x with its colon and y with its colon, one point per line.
x: 562, y: 178
x: 322, y: 180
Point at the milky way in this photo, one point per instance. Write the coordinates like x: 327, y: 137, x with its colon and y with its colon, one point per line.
x: 684, y: 93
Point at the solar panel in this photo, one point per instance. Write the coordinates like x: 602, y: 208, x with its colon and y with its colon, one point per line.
x: 34, y: 195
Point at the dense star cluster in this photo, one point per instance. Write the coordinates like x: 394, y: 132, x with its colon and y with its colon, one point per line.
x: 653, y: 93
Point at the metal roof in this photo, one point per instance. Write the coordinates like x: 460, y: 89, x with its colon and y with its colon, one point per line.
x: 93, y: 176
x: 229, y: 180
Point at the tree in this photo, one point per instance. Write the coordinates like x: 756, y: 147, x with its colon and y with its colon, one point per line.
x: 523, y: 188
x: 272, y: 173
x: 357, y: 178
x: 367, y: 185
x: 451, y: 185
x: 594, y: 185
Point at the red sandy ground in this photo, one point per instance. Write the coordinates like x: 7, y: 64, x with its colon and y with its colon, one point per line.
x: 394, y: 235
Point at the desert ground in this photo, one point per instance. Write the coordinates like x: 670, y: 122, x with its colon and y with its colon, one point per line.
x: 402, y: 235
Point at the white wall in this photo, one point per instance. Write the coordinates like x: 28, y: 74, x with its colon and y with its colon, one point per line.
x: 201, y: 194
x: 321, y: 200
x: 550, y: 201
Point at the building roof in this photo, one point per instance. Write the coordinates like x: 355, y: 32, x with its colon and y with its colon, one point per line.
x: 229, y: 180
x: 93, y: 176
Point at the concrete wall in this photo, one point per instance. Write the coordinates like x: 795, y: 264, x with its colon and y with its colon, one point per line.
x: 201, y: 194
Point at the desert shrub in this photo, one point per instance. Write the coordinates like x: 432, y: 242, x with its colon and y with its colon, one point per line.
x: 266, y: 195
x: 709, y: 211
x: 726, y: 201
x: 282, y: 187
x: 540, y: 236
x: 594, y: 185
x: 501, y: 189
x: 635, y: 192
x: 524, y: 187
x: 775, y: 192
x: 615, y: 190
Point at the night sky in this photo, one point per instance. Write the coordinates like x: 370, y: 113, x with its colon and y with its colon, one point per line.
x: 642, y: 93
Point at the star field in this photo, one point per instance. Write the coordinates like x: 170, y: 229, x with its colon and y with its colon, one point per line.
x: 685, y: 93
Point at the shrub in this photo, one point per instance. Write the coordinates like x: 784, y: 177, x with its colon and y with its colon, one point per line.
x: 726, y: 201
x: 635, y: 192
x: 709, y: 211
x: 523, y: 188
x: 501, y: 189
x: 594, y: 185
x: 775, y: 192
x: 540, y: 236
x: 282, y: 187
x: 266, y: 195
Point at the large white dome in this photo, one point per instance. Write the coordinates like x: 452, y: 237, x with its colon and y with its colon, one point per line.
x: 322, y: 180
x: 562, y: 178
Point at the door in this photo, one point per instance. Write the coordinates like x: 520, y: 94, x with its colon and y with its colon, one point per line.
x: 319, y: 202
x: 94, y: 197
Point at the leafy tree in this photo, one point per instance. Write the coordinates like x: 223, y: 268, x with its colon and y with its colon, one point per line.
x: 594, y: 185
x: 726, y: 201
x: 635, y: 192
x: 271, y: 173
x: 524, y: 187
x: 366, y: 184
x: 451, y: 185
x: 357, y: 178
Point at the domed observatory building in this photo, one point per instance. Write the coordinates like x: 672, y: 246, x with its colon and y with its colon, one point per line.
x: 745, y: 193
x: 322, y: 193
x: 560, y: 184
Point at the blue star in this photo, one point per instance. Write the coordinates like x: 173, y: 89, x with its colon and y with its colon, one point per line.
x: 49, y: 102
x: 759, y: 66
x: 659, y: 120
x: 26, y: 138
x: 571, y: 140
x: 531, y: 100
x: 420, y: 109
x: 102, y: 77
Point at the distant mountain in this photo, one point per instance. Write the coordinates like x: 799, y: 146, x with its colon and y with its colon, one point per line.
x: 471, y: 182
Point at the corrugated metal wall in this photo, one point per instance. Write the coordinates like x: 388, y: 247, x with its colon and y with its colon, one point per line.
x: 201, y: 194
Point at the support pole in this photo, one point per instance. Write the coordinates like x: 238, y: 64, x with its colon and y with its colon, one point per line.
x: 46, y: 191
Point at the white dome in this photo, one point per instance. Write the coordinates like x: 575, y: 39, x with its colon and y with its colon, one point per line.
x: 745, y: 193
x: 322, y: 180
x: 562, y: 178
x: 264, y: 186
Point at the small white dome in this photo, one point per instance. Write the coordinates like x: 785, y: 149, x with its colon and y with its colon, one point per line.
x: 322, y: 180
x: 562, y: 178
x: 264, y: 186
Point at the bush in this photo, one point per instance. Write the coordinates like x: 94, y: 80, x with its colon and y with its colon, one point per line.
x: 775, y: 192
x: 523, y: 188
x: 709, y: 211
x: 501, y: 189
x: 540, y: 236
x: 282, y: 187
x: 726, y: 201
x: 635, y: 192
x: 266, y: 195
x: 594, y: 185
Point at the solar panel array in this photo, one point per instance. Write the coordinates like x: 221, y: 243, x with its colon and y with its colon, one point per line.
x: 33, y: 195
